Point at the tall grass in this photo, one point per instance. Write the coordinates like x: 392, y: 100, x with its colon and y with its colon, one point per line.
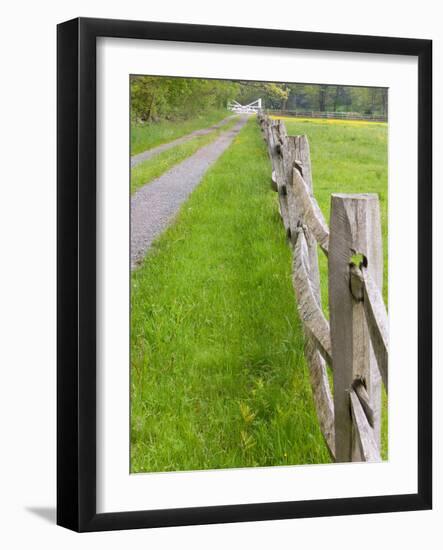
x: 147, y: 136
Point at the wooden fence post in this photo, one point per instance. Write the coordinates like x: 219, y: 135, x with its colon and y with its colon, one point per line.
x: 303, y: 166
x: 354, y: 230
x: 277, y: 147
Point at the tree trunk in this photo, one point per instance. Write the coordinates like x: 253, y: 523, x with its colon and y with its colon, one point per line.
x: 384, y: 101
x: 337, y: 93
x: 322, y: 98
x: 149, y: 112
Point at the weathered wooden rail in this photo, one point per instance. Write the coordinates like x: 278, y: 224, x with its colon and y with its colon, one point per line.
x: 354, y: 342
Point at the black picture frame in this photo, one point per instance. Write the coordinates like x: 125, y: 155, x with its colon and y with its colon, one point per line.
x: 76, y: 280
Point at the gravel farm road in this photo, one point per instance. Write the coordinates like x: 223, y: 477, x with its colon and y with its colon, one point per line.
x: 154, y: 206
x: 145, y: 155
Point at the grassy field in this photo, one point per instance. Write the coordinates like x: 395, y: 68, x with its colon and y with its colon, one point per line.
x: 218, y: 376
x: 154, y: 167
x: 147, y: 136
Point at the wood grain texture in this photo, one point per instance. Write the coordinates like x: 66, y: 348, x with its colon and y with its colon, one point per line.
x: 355, y: 228
x: 377, y: 320
x: 323, y: 401
x: 364, y: 433
x: 302, y: 160
x: 276, y: 135
x: 363, y: 285
x: 310, y: 211
x: 308, y: 307
x: 360, y: 389
x: 287, y: 153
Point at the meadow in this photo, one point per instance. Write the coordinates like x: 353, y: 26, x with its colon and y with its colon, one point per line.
x: 218, y: 376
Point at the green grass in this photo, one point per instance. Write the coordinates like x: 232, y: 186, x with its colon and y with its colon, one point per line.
x: 147, y: 136
x: 218, y: 376
x: 146, y: 171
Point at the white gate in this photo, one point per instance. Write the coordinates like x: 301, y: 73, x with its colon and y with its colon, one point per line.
x: 251, y: 108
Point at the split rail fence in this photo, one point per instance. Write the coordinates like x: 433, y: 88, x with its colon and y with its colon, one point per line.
x: 354, y: 343
x: 335, y: 115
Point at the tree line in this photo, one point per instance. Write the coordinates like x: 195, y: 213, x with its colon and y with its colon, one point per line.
x: 316, y: 97
x: 159, y: 98
x: 155, y: 98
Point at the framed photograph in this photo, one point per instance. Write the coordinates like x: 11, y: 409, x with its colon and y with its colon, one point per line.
x: 244, y: 269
